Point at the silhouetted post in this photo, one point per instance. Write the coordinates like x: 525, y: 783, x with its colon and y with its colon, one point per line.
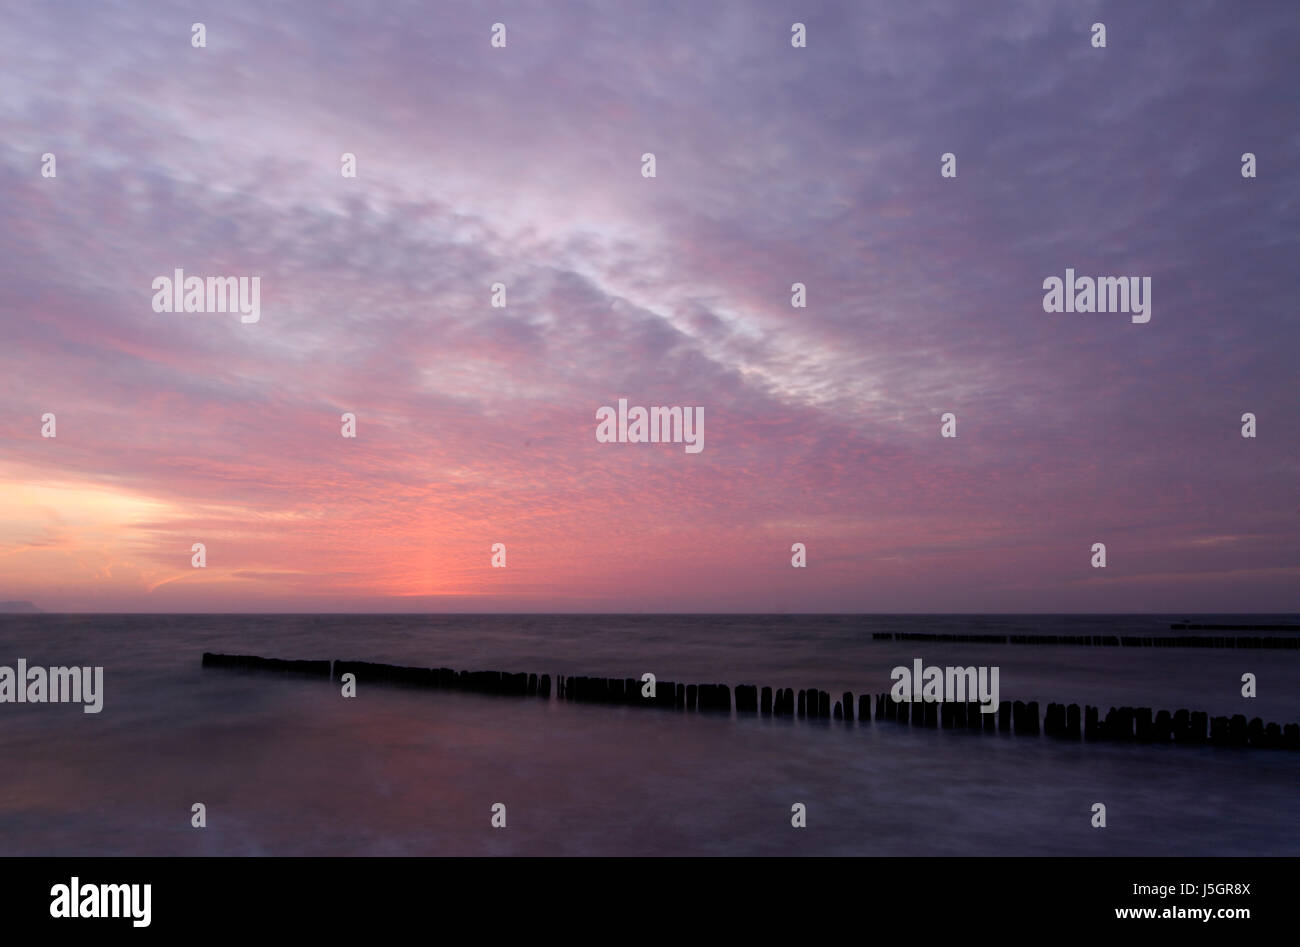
x: 803, y: 703
x: 1072, y: 722
x: 1005, y: 713
x: 1162, y: 730
x: 1110, y: 726
x: 1050, y: 724
x: 765, y: 705
x: 864, y: 708
x: 1237, y: 732
x: 1143, y: 718
x: 1196, y: 729
x: 848, y: 706
x: 1255, y: 732
x: 1091, y: 728
x: 1219, y: 731
x: 1181, y: 726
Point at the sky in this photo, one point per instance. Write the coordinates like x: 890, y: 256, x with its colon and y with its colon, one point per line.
x: 773, y: 165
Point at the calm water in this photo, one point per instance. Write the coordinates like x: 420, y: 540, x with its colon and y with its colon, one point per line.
x: 288, y: 766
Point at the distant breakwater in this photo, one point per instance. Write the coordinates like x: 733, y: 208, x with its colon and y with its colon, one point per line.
x: 1104, y: 641
x: 1012, y: 718
x: 1192, y: 626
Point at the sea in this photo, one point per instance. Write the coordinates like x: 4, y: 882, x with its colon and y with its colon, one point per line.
x: 284, y: 765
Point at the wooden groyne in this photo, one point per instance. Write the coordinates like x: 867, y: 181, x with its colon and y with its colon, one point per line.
x: 248, y: 662
x: 1105, y: 641
x: 1012, y: 718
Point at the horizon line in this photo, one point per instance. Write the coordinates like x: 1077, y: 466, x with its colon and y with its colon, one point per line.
x: 622, y: 614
